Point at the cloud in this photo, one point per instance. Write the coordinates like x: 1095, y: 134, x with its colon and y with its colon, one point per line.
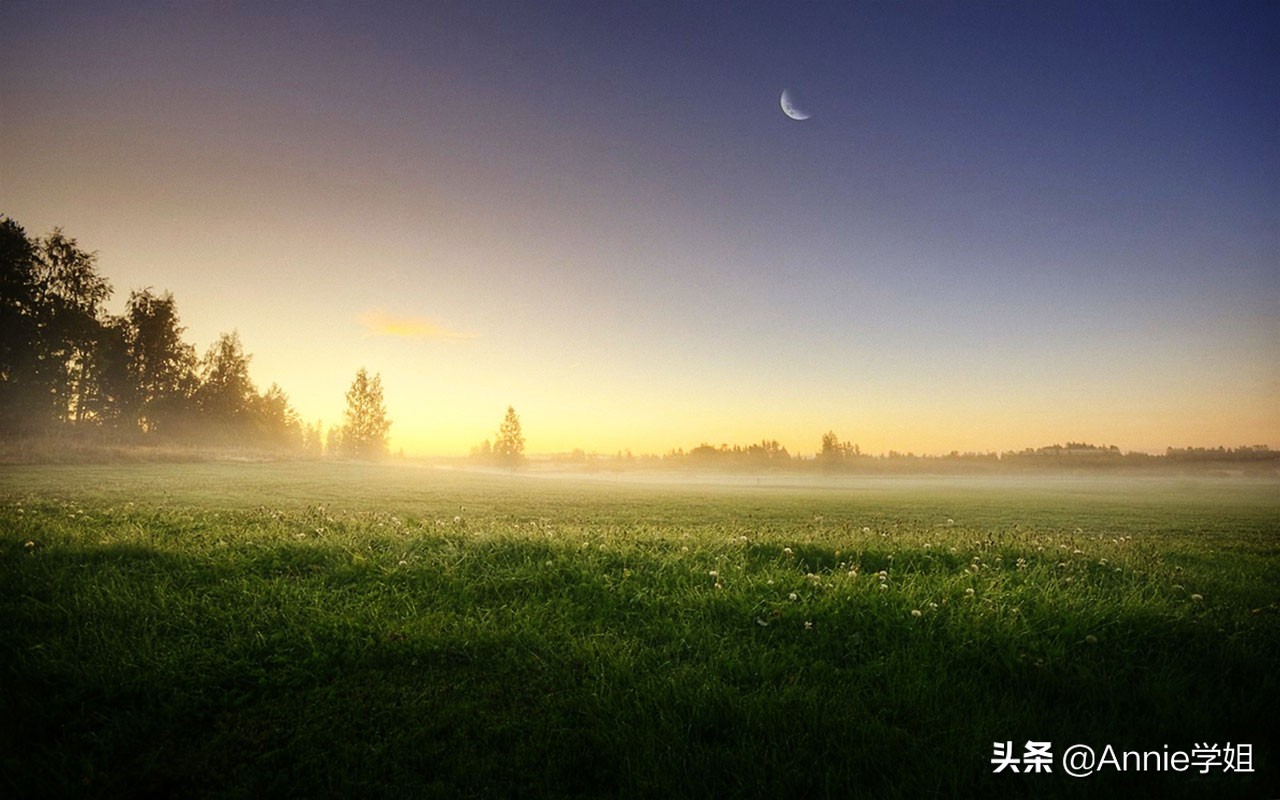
x: 380, y: 323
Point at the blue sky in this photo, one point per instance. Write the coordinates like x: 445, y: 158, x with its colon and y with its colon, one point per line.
x: 1004, y: 225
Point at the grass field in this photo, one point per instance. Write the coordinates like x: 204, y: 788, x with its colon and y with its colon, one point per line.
x: 322, y: 630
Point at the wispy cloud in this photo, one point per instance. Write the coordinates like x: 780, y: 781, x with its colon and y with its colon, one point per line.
x: 380, y: 323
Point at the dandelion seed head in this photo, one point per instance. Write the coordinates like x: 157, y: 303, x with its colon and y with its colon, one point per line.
x: 1196, y: 598
x: 793, y: 597
x: 915, y: 612
x: 1091, y: 639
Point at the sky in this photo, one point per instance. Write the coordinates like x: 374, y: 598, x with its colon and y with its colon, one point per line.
x: 1003, y: 225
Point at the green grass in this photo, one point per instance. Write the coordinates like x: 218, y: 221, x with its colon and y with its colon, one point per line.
x: 343, y: 630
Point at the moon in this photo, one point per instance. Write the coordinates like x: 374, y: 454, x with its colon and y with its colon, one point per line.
x: 789, y: 107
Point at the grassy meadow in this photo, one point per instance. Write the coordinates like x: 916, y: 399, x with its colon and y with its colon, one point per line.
x: 324, y: 630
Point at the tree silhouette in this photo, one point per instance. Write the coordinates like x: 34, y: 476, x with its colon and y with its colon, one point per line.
x: 275, y: 421
x: 70, y: 320
x: 20, y: 392
x: 162, y: 367
x: 365, y: 424
x: 226, y: 394
x: 508, y: 448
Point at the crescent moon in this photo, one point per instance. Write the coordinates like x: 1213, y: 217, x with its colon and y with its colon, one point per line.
x: 789, y: 107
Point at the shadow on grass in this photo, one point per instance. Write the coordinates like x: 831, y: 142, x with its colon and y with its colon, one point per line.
x: 301, y: 671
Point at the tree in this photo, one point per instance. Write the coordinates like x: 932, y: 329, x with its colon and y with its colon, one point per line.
x: 226, y: 395
x: 162, y: 367
x: 365, y: 424
x: 53, y: 330
x: 20, y: 393
x: 276, y: 423
x: 313, y: 440
x: 70, y: 320
x: 508, y: 448
x: 836, y: 452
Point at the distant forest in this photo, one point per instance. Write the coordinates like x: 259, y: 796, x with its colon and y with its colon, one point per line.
x: 74, y: 375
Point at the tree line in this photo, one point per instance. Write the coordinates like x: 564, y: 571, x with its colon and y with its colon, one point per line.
x: 69, y: 366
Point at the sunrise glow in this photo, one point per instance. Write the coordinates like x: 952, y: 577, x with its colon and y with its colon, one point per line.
x: 1016, y: 240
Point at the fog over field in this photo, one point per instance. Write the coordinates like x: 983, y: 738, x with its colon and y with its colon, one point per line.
x: 685, y: 400
x: 216, y: 629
